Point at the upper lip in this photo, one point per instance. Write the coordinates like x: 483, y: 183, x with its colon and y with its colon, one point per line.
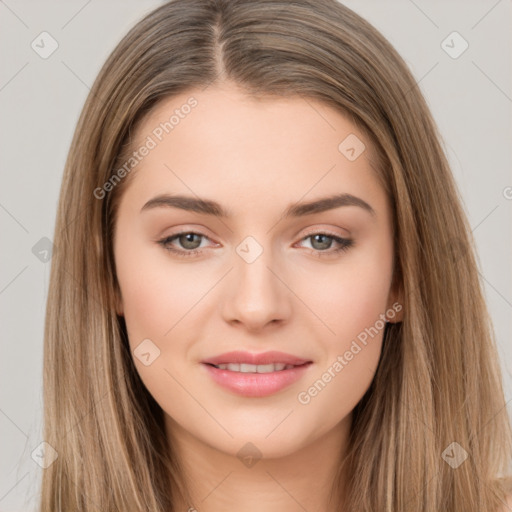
x: 249, y: 358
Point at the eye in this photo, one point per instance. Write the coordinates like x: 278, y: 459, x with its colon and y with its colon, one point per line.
x: 321, y: 242
x: 189, y: 240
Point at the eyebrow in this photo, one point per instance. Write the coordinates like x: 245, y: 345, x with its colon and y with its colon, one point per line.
x: 209, y: 207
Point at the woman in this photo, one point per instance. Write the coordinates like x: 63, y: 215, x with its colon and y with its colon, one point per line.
x: 265, y: 293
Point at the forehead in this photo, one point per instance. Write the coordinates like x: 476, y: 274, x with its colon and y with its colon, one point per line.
x: 222, y: 143
x: 227, y: 118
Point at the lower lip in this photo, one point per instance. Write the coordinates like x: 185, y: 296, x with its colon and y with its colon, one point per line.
x: 256, y: 384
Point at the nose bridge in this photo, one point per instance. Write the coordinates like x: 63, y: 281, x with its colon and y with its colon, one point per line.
x: 258, y: 297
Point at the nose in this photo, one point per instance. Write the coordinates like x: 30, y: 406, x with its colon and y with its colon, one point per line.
x: 256, y: 294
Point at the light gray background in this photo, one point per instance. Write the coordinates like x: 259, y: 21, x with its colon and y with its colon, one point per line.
x: 41, y: 99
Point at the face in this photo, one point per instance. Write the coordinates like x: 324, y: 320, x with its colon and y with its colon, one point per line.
x: 271, y: 275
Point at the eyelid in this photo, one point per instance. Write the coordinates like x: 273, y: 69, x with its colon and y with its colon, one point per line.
x: 327, y: 231
x: 183, y: 228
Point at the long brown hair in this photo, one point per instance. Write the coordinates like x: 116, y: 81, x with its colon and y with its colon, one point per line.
x: 438, y: 380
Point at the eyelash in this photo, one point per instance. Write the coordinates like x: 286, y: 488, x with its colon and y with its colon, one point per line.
x: 345, y: 244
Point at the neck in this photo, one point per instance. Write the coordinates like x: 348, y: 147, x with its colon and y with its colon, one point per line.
x: 310, y: 478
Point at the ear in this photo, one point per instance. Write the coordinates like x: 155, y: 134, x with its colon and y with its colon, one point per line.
x: 395, y: 305
x: 118, y: 300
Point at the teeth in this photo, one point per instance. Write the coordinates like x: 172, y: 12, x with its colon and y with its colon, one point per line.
x: 254, y: 368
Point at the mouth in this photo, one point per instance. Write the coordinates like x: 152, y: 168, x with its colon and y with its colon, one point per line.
x: 256, y: 375
x: 249, y: 359
x: 256, y: 368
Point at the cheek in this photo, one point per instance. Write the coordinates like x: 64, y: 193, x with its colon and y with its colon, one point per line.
x: 351, y: 296
x: 351, y: 300
x: 152, y: 304
x: 157, y: 299
x: 355, y: 305
x: 350, y: 356
x: 156, y: 294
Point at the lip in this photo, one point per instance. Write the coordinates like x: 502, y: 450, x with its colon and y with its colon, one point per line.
x: 256, y: 384
x: 263, y: 358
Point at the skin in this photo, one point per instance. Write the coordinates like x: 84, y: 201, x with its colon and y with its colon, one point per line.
x: 255, y: 158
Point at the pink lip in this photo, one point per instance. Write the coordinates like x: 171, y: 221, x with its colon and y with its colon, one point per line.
x: 256, y: 384
x: 249, y: 358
